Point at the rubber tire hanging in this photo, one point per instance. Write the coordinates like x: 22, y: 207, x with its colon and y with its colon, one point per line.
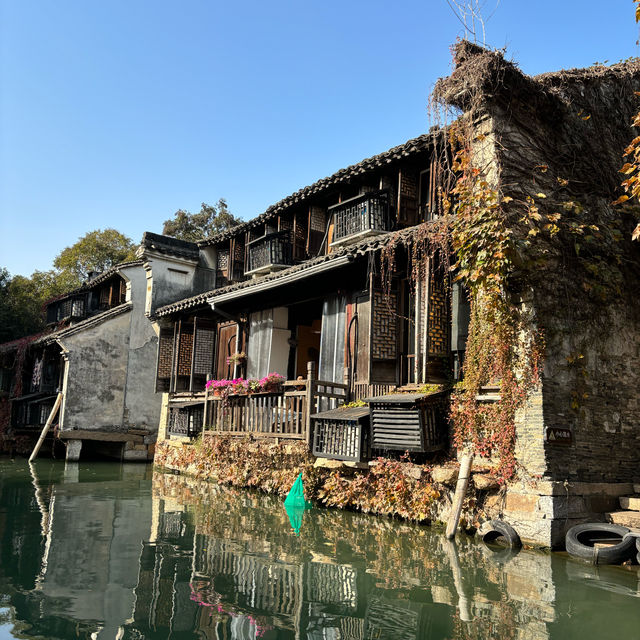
x: 581, y: 538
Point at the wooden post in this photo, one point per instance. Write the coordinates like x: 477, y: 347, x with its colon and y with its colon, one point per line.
x: 311, y: 392
x: 461, y: 490
x: 45, y: 429
x: 206, y: 418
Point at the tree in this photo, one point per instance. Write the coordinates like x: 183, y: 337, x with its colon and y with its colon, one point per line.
x: 197, y: 226
x: 95, y: 251
x: 22, y: 300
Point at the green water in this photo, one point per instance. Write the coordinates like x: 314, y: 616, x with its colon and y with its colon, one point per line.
x: 105, y: 551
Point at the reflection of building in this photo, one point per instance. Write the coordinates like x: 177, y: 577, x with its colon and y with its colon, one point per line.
x: 86, y: 569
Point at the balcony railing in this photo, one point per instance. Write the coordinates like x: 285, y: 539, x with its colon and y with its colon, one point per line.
x: 361, y: 217
x: 186, y: 420
x: 281, y: 414
x: 269, y: 253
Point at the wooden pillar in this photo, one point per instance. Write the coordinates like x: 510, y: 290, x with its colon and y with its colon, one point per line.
x: 311, y: 393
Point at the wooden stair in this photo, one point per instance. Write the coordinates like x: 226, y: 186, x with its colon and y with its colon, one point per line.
x: 629, y: 513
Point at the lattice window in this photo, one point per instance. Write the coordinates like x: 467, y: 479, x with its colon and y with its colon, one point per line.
x: 408, y: 198
x: 205, y: 343
x: 185, y: 350
x: 65, y: 309
x: 439, y: 331
x: 165, y: 357
x: 384, y: 327
x: 223, y: 259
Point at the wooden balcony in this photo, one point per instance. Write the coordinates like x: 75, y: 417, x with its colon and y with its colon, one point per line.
x: 283, y: 414
x: 360, y: 217
x: 269, y: 253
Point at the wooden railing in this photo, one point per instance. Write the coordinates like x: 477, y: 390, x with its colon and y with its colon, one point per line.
x: 185, y: 421
x: 283, y: 414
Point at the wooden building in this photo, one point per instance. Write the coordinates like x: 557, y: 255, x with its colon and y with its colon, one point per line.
x: 301, y: 291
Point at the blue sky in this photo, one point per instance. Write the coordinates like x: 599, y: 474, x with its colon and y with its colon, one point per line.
x: 116, y: 114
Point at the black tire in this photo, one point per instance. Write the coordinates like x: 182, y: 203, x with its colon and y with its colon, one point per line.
x: 638, y: 544
x: 499, y: 532
x: 581, y: 538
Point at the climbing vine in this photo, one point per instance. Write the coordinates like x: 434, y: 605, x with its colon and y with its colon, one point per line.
x: 631, y: 168
x: 504, y: 347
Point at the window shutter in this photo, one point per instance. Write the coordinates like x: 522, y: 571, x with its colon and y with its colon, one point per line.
x: 384, y: 337
x: 408, y: 198
x: 165, y: 358
x: 203, y: 352
x: 185, y: 349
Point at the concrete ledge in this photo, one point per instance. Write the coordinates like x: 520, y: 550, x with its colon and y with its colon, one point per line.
x: 104, y: 436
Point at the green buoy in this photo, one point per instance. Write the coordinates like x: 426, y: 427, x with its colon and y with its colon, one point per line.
x: 295, y: 504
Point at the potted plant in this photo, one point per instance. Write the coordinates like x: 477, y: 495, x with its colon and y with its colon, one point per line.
x: 218, y: 387
x: 238, y: 386
x: 253, y: 385
x: 272, y: 382
x: 237, y: 358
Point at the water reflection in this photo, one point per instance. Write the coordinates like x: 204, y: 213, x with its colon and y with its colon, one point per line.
x: 109, y: 552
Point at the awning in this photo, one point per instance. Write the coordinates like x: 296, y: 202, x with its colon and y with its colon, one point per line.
x: 274, y: 283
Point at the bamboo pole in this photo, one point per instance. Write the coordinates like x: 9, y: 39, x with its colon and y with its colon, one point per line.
x: 461, y: 490
x: 45, y: 429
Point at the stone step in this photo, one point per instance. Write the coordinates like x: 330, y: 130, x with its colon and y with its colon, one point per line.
x: 631, y: 503
x: 629, y: 519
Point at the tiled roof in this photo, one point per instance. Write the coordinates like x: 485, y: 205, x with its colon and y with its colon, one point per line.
x: 92, y: 321
x: 168, y: 245
x: 409, y: 148
x: 101, y: 277
x: 355, y: 250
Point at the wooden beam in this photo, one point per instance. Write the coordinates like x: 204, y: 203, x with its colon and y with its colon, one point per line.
x: 45, y: 429
x: 103, y: 436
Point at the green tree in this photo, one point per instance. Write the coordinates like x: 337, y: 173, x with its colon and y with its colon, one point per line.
x: 211, y: 219
x: 95, y: 251
x: 22, y: 299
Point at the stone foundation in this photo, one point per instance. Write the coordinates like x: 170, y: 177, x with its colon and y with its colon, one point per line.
x: 543, y: 512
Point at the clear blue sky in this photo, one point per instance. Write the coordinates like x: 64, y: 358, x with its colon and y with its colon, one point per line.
x: 116, y: 114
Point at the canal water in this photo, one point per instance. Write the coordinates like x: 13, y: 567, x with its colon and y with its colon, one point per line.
x: 108, y: 551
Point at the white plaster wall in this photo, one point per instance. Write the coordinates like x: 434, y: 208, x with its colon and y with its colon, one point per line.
x: 141, y: 403
x: 167, y: 280
x: 96, y: 374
